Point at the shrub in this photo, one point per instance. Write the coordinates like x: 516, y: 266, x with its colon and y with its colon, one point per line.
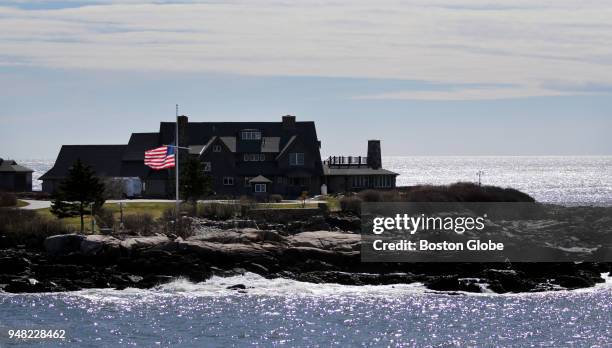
x: 351, y: 204
x: 26, y: 227
x: 464, y: 192
x: 275, y: 198
x: 166, y: 222
x: 391, y: 196
x: 370, y: 196
x: 142, y: 224
x: 105, y: 217
x: 113, y: 188
x: 8, y: 199
x: 218, y: 211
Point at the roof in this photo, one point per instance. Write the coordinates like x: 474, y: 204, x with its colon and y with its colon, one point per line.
x: 105, y: 160
x: 10, y: 166
x: 138, y: 144
x: 275, y: 138
x: 230, y: 142
x: 200, y: 133
x: 356, y: 171
x: 260, y: 179
x: 287, y: 145
x: 270, y: 144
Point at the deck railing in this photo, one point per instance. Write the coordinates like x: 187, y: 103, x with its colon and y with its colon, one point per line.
x: 346, y: 161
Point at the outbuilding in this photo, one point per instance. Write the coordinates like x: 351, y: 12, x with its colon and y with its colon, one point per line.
x: 15, y: 178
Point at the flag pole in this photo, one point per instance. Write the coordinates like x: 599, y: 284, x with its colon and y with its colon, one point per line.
x: 176, y: 154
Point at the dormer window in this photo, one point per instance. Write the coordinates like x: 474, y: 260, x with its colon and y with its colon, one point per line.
x: 296, y: 159
x: 217, y: 148
x: 250, y: 134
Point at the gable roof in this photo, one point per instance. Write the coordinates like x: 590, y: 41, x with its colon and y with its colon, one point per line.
x: 10, y: 166
x: 198, y: 133
x: 138, y: 144
x: 105, y: 160
x: 260, y: 179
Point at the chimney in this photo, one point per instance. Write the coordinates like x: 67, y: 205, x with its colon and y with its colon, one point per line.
x: 182, y: 123
x: 288, y: 122
x: 374, y: 155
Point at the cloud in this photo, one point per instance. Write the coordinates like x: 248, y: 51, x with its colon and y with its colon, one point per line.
x: 482, y: 93
x: 458, y: 42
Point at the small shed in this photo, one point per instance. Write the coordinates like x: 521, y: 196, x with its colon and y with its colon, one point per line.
x: 15, y: 178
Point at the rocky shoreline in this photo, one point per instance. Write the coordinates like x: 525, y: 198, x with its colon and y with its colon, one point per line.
x: 73, y: 262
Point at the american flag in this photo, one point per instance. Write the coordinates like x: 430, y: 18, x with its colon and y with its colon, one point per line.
x: 160, y: 158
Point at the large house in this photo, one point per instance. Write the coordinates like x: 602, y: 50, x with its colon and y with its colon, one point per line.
x: 243, y: 158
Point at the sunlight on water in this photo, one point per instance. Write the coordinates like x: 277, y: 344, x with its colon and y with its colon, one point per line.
x: 549, y: 179
x: 302, y: 314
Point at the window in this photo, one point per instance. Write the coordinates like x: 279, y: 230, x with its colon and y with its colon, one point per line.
x: 207, y: 166
x: 228, y: 180
x: 217, y: 148
x: 254, y: 157
x: 360, y: 181
x: 260, y: 188
x: 296, y: 159
x: 251, y: 135
x: 281, y: 180
x: 246, y: 181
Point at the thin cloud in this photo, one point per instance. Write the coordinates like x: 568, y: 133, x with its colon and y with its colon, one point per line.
x: 439, y: 41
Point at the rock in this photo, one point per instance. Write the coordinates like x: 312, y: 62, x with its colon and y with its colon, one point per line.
x: 14, y: 264
x: 237, y: 287
x: 63, y: 244
x: 139, y: 243
x: 573, y: 282
x: 326, y: 240
x: 257, y: 268
x: 443, y: 283
x: 98, y: 245
x: 344, y: 223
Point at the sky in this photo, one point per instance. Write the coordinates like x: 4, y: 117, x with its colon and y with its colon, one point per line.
x: 427, y: 77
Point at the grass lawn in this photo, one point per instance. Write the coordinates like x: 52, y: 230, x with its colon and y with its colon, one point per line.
x: 129, y: 208
x: 21, y: 203
x: 333, y: 203
x: 285, y: 205
x: 155, y: 209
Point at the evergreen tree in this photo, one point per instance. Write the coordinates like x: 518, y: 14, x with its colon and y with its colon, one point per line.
x: 77, y: 192
x: 194, y: 184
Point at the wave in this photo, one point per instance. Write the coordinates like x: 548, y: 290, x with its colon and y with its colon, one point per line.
x: 256, y: 285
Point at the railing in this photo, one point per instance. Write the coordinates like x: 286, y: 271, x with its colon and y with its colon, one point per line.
x: 346, y: 161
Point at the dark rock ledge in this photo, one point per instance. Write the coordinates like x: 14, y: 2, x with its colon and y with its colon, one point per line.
x: 73, y: 262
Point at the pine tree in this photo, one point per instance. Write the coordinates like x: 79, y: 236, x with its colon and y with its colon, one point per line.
x: 77, y: 192
x: 194, y: 184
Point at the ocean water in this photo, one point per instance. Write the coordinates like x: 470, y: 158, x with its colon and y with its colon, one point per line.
x: 552, y: 179
x: 290, y: 313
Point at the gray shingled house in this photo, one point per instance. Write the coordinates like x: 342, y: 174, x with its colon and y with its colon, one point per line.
x: 243, y: 158
x: 15, y: 178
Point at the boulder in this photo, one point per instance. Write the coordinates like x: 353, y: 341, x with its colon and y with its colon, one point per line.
x: 94, y: 245
x: 63, y: 244
x: 139, y: 243
x: 327, y: 240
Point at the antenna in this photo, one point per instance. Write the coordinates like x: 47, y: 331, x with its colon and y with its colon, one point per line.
x: 480, y: 173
